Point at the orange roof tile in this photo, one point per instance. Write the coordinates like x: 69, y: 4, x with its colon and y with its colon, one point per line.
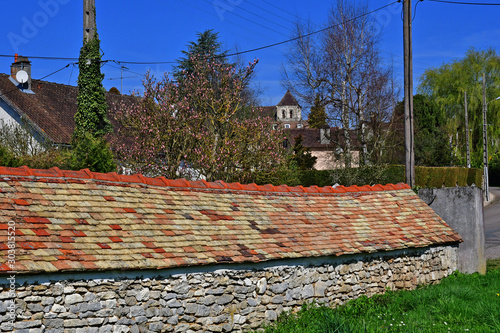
x: 81, y: 220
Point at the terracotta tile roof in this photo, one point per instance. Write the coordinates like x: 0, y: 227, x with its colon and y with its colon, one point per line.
x: 80, y: 220
x: 52, y: 107
x: 288, y: 100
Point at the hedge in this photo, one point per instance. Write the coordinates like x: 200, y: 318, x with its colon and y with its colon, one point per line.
x: 425, y: 177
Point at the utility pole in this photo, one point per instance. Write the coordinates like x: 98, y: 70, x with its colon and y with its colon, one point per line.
x: 89, y: 24
x: 408, y: 95
x: 485, y: 143
x: 467, y: 132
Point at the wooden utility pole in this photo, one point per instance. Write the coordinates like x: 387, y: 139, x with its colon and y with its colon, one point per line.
x: 88, y: 19
x: 408, y: 95
x: 467, y: 132
x: 485, y: 142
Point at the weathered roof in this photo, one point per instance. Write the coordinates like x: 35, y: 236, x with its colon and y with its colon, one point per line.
x: 52, y: 107
x: 80, y: 220
x: 269, y: 111
x: 288, y: 100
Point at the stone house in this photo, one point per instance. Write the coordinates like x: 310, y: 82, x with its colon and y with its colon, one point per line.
x: 323, y: 143
x: 90, y: 252
x: 287, y: 113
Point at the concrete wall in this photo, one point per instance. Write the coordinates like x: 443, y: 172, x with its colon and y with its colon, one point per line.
x: 216, y: 300
x: 462, y: 209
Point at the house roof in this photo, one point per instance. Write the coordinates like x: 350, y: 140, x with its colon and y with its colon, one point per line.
x: 269, y: 111
x: 288, y: 100
x: 52, y: 107
x: 81, y: 220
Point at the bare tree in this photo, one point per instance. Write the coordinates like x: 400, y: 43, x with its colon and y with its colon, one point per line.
x: 343, y: 65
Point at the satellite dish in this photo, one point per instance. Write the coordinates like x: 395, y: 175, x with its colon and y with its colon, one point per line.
x: 22, y: 77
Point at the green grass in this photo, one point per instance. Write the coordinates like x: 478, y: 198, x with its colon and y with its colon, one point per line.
x: 460, y: 303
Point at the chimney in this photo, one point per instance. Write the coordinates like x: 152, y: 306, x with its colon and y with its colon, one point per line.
x: 324, y: 135
x: 23, y: 80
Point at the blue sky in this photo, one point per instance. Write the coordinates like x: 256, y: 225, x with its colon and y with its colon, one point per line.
x: 158, y: 30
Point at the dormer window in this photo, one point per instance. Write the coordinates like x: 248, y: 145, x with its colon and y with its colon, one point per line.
x: 287, y: 125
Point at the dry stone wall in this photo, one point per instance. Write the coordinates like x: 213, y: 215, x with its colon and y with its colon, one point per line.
x: 231, y: 300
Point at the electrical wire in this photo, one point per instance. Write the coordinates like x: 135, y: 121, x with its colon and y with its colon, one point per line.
x: 124, y: 68
x: 190, y: 3
x: 46, y: 76
x: 251, y: 21
x: 467, y: 3
x: 40, y: 57
x: 71, y: 74
x: 270, y: 12
x: 228, y: 55
x: 266, y: 46
x: 415, y: 9
x: 283, y: 10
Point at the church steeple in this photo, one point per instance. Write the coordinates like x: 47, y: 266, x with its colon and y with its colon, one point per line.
x: 288, y: 100
x: 289, y: 111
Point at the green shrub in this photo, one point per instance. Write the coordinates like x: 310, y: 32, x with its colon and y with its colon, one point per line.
x: 425, y: 177
x: 47, y: 159
x: 91, y: 153
x: 451, y: 177
x: 462, y: 176
x: 475, y: 177
x: 7, y: 158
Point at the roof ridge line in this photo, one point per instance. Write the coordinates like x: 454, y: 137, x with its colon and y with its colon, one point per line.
x: 55, y: 172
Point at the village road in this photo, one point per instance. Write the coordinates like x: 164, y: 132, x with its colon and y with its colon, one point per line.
x: 492, y: 226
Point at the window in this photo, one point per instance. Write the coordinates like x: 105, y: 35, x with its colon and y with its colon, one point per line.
x: 283, y: 114
x: 291, y: 113
x: 299, y: 125
x: 275, y: 126
x: 287, y: 125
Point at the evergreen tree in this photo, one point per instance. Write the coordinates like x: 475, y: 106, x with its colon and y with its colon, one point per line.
x: 431, y: 142
x: 302, y: 157
x: 206, y: 46
x: 317, y: 115
x: 91, y: 116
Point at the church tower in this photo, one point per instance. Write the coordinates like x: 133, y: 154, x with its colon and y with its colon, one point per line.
x: 289, y: 112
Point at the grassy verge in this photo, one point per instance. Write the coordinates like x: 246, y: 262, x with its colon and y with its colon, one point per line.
x: 460, y: 303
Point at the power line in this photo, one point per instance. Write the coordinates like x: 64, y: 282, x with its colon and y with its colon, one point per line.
x: 259, y: 16
x: 190, y: 3
x: 252, y: 21
x: 40, y: 57
x: 270, y: 12
x: 467, y: 3
x: 283, y: 10
x: 46, y: 76
x: 60, y: 69
x: 228, y: 55
x: 266, y: 46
